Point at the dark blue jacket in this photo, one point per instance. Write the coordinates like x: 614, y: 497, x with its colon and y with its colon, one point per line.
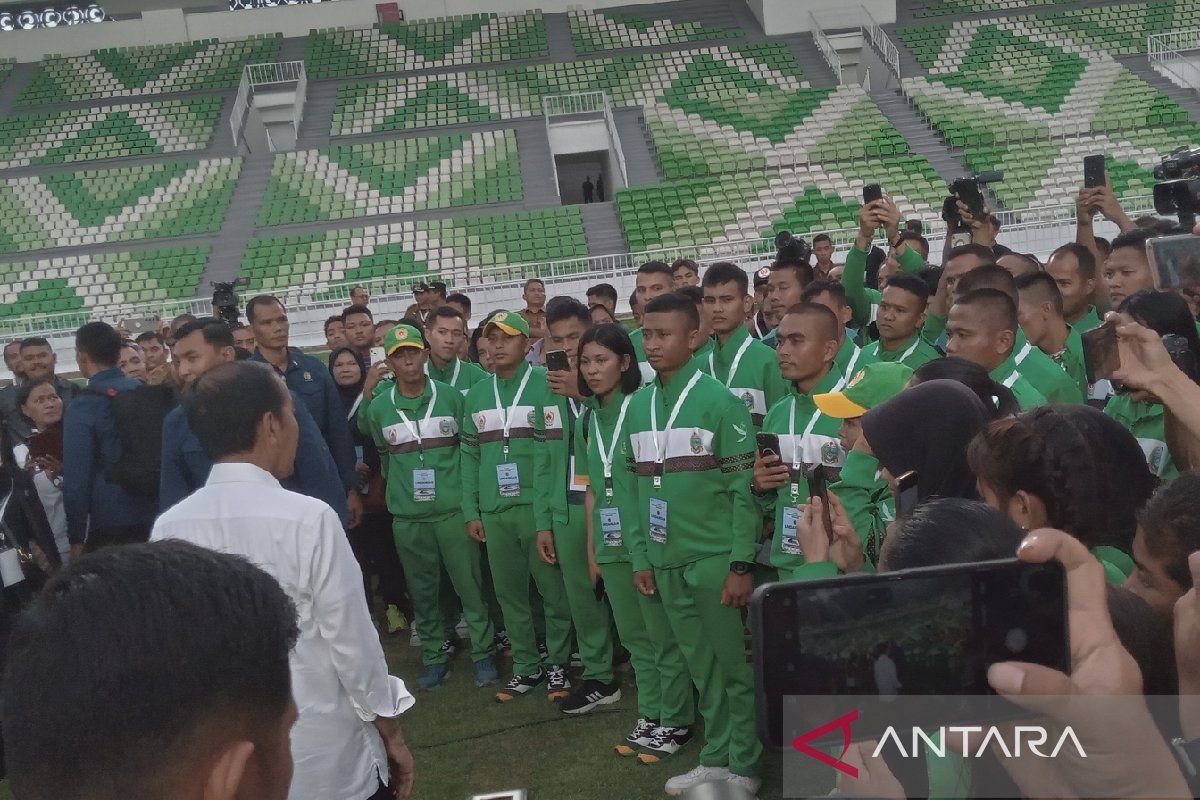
x: 310, y: 380
x: 185, y: 466
x: 90, y: 447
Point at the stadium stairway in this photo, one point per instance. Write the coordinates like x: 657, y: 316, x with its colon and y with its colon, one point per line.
x: 318, y: 111
x: 640, y: 164
x: 812, y: 64
x: 603, y: 229
x: 11, y: 86
x: 537, y: 179
x: 226, y: 257
x: 1140, y: 66
x: 921, y: 139
x: 558, y: 37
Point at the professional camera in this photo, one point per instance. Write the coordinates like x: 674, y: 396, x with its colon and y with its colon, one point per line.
x: 225, y: 299
x: 1178, y: 189
x: 791, y: 249
x: 969, y: 190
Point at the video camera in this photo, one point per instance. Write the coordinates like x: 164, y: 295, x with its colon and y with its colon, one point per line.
x: 1178, y: 189
x: 791, y: 249
x: 969, y: 190
x: 225, y: 299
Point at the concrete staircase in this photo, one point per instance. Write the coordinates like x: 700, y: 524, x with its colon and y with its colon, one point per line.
x: 922, y: 140
x: 225, y: 260
x: 537, y: 173
x: 603, y: 229
x: 1188, y: 98
x: 318, y: 114
x: 641, y: 165
x: 14, y: 83
x: 816, y: 71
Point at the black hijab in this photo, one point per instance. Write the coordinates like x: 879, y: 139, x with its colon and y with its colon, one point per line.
x: 348, y: 393
x: 926, y: 429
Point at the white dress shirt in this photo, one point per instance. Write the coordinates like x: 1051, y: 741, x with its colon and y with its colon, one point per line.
x: 339, y: 677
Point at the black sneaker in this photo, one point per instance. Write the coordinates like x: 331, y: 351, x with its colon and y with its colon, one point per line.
x: 558, y: 685
x: 665, y: 742
x: 642, y: 735
x: 589, y: 695
x: 448, y: 648
x: 542, y: 651
x: 519, y: 685
x: 501, y: 644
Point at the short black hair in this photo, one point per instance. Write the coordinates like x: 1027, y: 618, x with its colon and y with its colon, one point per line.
x: 911, y: 284
x: 804, y: 272
x: 994, y: 303
x: 655, y: 267
x: 1045, y: 287
x: 532, y: 281
x: 262, y: 300
x: 972, y: 249
x: 461, y: 299
x: 605, y: 290
x: 444, y: 311
x: 684, y: 263
x: 1134, y: 238
x: 357, y: 310
x: 675, y: 301
x: 695, y: 293
x: 562, y: 308
x: 130, y: 663
x: 822, y: 237
x: 831, y: 326
x: 932, y: 275
x: 915, y: 238
x: 1170, y: 524
x: 215, y: 331
x: 226, y: 403
x: 1083, y: 257
x: 633, y: 299
x: 384, y: 322
x: 932, y: 535
x: 988, y: 276
x: 100, y: 342
x: 724, y: 272
x: 613, y: 336
x: 330, y: 320
x: 822, y: 286
x: 146, y: 336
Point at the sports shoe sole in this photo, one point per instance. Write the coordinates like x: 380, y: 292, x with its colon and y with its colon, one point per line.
x: 647, y: 757
x: 603, y: 701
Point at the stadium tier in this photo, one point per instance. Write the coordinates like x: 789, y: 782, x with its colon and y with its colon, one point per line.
x: 392, y: 177
x: 6, y: 67
x: 401, y: 46
x: 154, y: 69
x: 147, y: 201
x: 132, y: 129
x: 594, y: 31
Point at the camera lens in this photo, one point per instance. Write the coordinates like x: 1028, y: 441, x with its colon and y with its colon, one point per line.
x: 1016, y: 640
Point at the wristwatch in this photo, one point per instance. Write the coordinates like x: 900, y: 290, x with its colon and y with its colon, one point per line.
x: 741, y: 567
x: 899, y: 241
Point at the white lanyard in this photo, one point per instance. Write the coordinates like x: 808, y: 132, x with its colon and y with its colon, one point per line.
x: 508, y: 412
x: 416, y: 430
x: 453, y: 375
x: 606, y: 454
x: 733, y: 367
x: 576, y: 407
x: 354, y: 408
x: 796, y: 460
x: 659, y: 457
x: 1025, y: 351
x: 907, y: 353
x: 849, y: 371
x: 1011, y: 379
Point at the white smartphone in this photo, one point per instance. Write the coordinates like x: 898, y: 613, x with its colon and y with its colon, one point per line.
x: 378, y: 355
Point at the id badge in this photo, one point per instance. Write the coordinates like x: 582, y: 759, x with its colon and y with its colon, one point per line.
x: 610, y: 526
x: 658, y: 520
x: 576, y: 482
x: 508, y: 479
x: 424, y: 486
x: 790, y: 543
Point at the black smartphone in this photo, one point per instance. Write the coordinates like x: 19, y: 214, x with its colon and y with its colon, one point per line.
x: 817, y: 484
x: 768, y: 444
x: 928, y: 634
x: 1170, y: 257
x: 967, y: 190
x: 872, y: 192
x: 1093, y: 172
x: 1101, y: 358
x: 557, y: 361
x: 907, y: 493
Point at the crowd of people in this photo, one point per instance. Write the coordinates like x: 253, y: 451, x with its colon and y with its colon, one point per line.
x: 550, y: 491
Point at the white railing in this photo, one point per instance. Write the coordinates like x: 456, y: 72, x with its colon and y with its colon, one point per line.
x: 883, y: 45
x: 241, y: 105
x: 1176, y: 54
x: 615, y: 141
x: 825, y: 47
x: 557, y: 105
x: 301, y: 99
x: 274, y: 72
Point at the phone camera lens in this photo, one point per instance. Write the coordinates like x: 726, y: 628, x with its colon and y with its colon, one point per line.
x: 1016, y: 640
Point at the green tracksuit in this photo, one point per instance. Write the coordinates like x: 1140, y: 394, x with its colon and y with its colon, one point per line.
x: 561, y: 488
x: 807, y: 439
x: 1007, y: 373
x: 462, y: 375
x: 1088, y: 321
x: 864, y: 302
x: 1146, y: 422
x: 756, y: 380
x: 913, y: 353
x: 689, y: 528
x: 640, y: 351
x: 848, y: 359
x: 418, y: 440
x: 1046, y: 376
x: 664, y: 684
x: 1070, y: 360
x: 498, y: 488
x: 868, y: 501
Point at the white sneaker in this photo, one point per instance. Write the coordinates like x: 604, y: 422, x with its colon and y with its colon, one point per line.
x: 747, y: 784
x: 698, y: 775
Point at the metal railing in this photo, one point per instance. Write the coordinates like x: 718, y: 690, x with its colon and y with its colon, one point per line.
x: 1176, y: 54
x: 274, y: 72
x: 301, y: 99
x: 883, y: 45
x: 241, y: 105
x: 825, y: 47
x: 557, y: 105
x: 614, y: 141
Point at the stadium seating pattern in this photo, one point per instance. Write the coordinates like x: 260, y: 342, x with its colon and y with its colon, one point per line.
x: 101, y: 283
x: 392, y: 177
x: 153, y: 69
x: 129, y: 129
x: 399, y: 46
x: 65, y: 209
x: 940, y: 8
x: 464, y: 250
x: 595, y: 31
x: 6, y: 67
x: 709, y: 78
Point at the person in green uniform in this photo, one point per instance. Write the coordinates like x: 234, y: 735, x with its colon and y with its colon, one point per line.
x: 560, y: 514
x: 415, y: 423
x: 608, y: 377
x: 785, y: 284
x: 958, y: 262
x: 694, y: 537
x: 653, y: 278
x: 831, y: 295
x: 445, y: 331
x: 746, y: 366
x: 982, y: 327
x: 500, y: 421
x: 882, y: 213
x: 1040, y: 314
x: 808, y: 439
x: 705, y: 347
x: 1073, y: 268
x: 900, y: 318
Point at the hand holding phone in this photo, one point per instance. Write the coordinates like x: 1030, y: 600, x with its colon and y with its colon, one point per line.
x: 769, y: 470
x: 557, y: 361
x: 871, y: 193
x: 378, y: 355
x: 1101, y: 356
x: 1094, y: 175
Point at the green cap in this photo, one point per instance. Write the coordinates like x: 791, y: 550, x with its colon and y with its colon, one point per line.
x: 871, y: 386
x: 402, y: 336
x: 510, y: 322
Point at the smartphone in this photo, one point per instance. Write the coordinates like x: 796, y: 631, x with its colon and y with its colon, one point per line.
x: 1093, y: 172
x: 140, y: 325
x: 817, y: 484
x: 1101, y: 358
x: 872, y: 192
x: 768, y: 444
x: 908, y: 495
x: 1174, y: 260
x: 941, y: 627
x: 557, y: 361
x: 378, y: 354
x: 968, y: 192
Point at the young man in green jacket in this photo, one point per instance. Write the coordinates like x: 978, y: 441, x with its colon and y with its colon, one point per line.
x: 691, y: 444
x: 500, y: 421
x: 832, y: 295
x: 982, y: 327
x: 1073, y: 268
x: 415, y: 424
x: 899, y: 320
x: 1040, y: 314
x: 654, y: 278
x: 746, y: 366
x: 884, y: 214
x: 1147, y: 422
x: 445, y: 332
x: 560, y: 515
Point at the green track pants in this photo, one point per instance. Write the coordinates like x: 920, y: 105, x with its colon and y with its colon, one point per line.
x: 712, y: 640
x: 593, y: 624
x: 512, y: 552
x: 425, y: 548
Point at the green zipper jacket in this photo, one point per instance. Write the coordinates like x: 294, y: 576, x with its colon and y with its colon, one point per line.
x: 1007, y: 374
x: 483, y: 440
x: 868, y: 501
x: 912, y: 353
x: 401, y: 454
x: 1070, y: 360
x: 609, y: 547
x: 462, y: 375
x: 1146, y: 422
x: 1088, y: 321
x: 558, y: 480
x: 757, y: 381
x: 708, y: 456
x: 1046, y: 376
x: 848, y: 359
x: 639, y: 349
x: 864, y: 302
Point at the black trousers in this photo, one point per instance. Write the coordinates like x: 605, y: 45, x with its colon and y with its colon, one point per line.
x: 375, y: 549
x: 384, y: 793
x: 117, y: 534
